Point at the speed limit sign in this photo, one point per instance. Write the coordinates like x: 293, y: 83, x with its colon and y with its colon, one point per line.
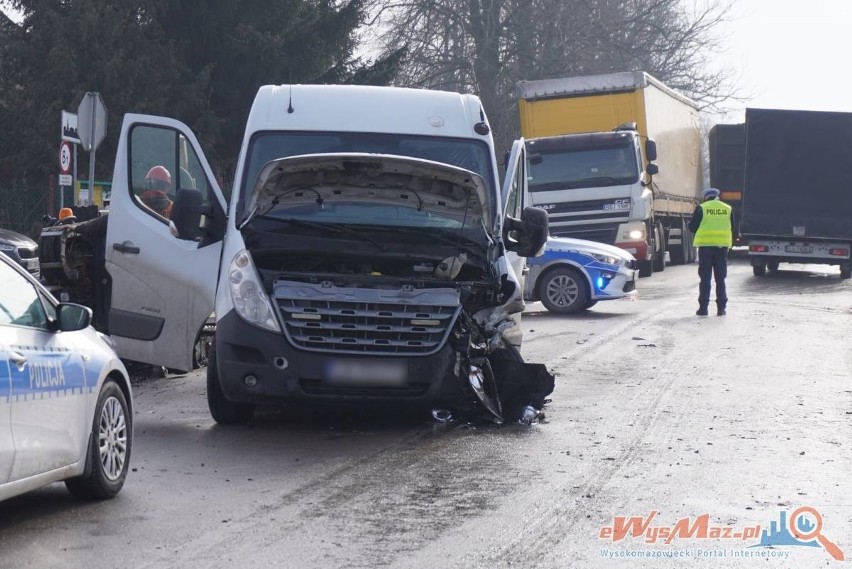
x: 65, y: 157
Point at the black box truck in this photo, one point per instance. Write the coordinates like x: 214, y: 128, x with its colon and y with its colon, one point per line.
x: 727, y: 168
x: 797, y: 200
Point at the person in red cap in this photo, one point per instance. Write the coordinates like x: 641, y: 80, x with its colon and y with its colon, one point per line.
x: 158, y: 182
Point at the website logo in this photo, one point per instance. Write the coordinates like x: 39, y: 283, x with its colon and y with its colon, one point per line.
x: 803, y: 528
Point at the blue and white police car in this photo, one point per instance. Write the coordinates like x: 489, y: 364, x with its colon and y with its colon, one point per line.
x: 66, y: 410
x: 574, y: 274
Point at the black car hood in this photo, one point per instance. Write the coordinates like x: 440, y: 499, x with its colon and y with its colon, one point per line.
x: 13, y: 238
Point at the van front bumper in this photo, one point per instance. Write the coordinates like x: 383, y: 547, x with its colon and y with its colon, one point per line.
x: 262, y: 367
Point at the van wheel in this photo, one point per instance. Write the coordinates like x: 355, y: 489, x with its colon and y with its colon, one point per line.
x: 110, y: 441
x: 563, y: 290
x: 224, y: 412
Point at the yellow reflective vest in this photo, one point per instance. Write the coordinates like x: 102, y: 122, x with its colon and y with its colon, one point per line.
x: 715, y: 229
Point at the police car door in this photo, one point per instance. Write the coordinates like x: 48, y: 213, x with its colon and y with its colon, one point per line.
x: 7, y: 448
x: 162, y: 286
x: 47, y: 386
x: 514, y: 199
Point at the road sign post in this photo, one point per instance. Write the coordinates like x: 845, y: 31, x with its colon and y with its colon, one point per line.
x: 91, y: 128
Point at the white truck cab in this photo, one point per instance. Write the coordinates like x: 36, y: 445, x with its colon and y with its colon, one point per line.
x: 366, y: 251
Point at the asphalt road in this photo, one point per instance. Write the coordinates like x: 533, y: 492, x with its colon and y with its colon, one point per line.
x: 741, y: 418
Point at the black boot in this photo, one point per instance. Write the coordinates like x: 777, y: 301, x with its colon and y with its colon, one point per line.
x: 702, y: 310
x: 720, y: 308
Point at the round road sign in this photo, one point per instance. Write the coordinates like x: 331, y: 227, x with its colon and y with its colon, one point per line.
x: 65, y: 157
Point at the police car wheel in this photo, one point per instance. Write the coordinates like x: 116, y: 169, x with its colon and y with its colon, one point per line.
x: 108, y: 458
x: 224, y: 412
x: 563, y: 290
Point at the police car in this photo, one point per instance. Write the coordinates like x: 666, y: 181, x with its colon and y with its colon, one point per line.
x: 575, y: 274
x: 65, y: 402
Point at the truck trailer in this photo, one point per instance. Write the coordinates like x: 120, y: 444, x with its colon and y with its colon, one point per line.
x: 593, y: 144
x: 727, y: 169
x: 797, y: 203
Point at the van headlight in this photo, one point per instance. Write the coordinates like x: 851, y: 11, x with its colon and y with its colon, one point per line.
x: 250, y: 301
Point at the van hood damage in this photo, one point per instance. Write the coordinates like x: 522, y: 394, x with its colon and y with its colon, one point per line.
x: 372, y: 178
x: 389, y: 236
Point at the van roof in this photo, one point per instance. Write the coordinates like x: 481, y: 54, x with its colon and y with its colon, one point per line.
x: 356, y: 108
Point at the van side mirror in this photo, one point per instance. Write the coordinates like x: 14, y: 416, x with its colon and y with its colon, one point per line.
x: 650, y: 150
x: 528, y: 235
x: 652, y: 169
x: 186, y: 213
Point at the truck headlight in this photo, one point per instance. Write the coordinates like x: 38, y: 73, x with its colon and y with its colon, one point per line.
x: 634, y: 235
x: 250, y: 301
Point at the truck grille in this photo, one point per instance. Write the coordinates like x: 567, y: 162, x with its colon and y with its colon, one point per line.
x: 327, y: 318
x: 600, y: 232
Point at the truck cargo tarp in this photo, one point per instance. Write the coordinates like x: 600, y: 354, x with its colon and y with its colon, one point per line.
x: 798, y: 174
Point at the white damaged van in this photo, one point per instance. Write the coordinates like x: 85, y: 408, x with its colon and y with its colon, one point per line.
x: 366, y: 253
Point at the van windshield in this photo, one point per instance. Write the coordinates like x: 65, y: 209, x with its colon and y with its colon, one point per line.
x: 469, y: 154
x: 570, y: 168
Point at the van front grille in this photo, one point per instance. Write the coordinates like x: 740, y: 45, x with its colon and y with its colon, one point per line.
x: 327, y: 318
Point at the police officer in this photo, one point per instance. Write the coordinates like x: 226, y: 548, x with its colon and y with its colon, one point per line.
x: 712, y: 224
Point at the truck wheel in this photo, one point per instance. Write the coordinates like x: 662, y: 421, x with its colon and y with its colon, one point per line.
x: 846, y: 271
x: 563, y: 290
x: 692, y: 253
x: 759, y: 268
x: 223, y: 411
x: 646, y: 268
x: 772, y: 266
x: 109, y: 447
x: 680, y: 253
x: 660, y: 250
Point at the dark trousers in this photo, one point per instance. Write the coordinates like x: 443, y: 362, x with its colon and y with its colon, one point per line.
x: 712, y: 262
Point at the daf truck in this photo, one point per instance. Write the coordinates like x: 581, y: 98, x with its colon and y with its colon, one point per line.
x: 615, y: 158
x: 367, y: 253
x: 797, y: 201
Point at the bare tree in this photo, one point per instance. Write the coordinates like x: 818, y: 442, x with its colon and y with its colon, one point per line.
x: 487, y: 46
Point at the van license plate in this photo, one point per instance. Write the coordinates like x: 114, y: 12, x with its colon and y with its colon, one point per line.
x: 366, y: 372
x: 799, y: 249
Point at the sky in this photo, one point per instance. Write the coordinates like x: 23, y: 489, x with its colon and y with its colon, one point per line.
x: 792, y: 54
